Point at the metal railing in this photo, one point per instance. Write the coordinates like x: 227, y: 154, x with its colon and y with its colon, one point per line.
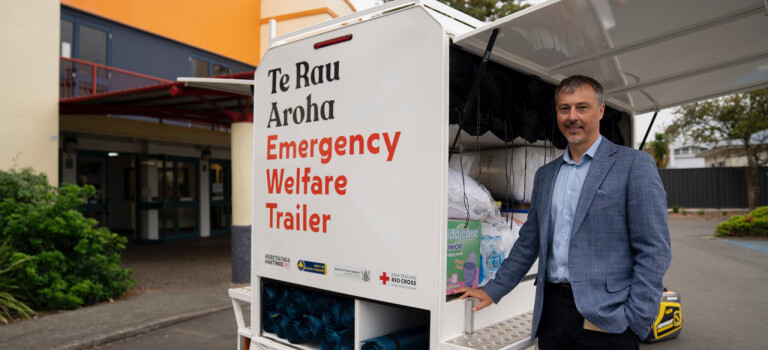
x: 78, y: 78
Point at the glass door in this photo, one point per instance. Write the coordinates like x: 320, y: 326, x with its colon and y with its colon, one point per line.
x: 182, y: 193
x: 92, y: 169
x: 220, y: 179
x: 151, y: 222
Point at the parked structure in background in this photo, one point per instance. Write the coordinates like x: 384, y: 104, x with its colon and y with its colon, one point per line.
x: 731, y: 153
x: 684, y: 155
x: 90, y: 96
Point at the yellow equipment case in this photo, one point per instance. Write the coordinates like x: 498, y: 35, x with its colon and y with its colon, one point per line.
x: 669, y: 322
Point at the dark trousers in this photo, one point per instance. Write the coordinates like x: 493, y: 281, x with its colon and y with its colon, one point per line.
x: 562, y: 327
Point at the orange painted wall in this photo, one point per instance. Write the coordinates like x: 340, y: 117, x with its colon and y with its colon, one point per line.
x: 230, y: 28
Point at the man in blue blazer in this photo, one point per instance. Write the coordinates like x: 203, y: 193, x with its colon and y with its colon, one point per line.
x: 598, y: 225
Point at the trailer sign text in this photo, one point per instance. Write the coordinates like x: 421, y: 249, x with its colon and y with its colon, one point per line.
x: 303, y: 181
x: 304, y: 77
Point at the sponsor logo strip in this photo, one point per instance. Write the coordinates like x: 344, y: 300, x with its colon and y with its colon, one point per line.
x: 352, y: 273
x: 314, y: 267
x: 399, y: 280
x: 277, y: 260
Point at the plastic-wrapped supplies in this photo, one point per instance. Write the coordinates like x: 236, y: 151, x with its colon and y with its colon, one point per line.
x: 302, y: 316
x: 310, y: 327
x: 508, y: 239
x: 296, y: 303
x: 479, y: 201
x: 336, y: 340
x: 316, y: 304
x: 488, y: 167
x: 347, y: 316
x: 339, y: 315
x: 491, y: 252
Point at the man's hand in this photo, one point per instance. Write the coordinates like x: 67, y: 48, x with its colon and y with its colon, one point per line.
x: 485, y: 299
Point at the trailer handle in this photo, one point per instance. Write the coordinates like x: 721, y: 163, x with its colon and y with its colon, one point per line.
x: 475, y: 86
x: 469, y: 315
x: 642, y: 144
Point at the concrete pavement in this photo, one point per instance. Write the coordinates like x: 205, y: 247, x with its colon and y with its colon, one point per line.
x: 179, y: 281
x: 722, y: 284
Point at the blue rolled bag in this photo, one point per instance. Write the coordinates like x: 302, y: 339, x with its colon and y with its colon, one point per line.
x: 416, y: 338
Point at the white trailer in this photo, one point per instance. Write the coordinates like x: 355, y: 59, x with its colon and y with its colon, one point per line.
x: 353, y: 134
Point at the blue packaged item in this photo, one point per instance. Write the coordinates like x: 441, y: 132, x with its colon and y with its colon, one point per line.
x: 492, y: 254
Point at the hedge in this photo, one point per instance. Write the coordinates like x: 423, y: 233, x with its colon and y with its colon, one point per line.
x: 753, y: 224
x: 71, y: 261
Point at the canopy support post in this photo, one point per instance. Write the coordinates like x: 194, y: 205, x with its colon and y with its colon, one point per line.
x: 642, y: 144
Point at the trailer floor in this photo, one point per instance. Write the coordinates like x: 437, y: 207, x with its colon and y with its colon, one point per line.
x: 513, y: 333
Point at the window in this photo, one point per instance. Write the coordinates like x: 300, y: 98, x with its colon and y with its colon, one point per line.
x: 202, y: 67
x: 84, y: 40
x: 67, y: 38
x: 199, y: 67
x: 93, y: 45
x: 217, y: 69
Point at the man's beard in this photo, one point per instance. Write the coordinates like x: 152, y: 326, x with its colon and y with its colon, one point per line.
x: 575, y: 139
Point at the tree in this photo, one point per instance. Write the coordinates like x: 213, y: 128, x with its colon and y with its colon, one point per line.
x: 659, y: 149
x: 737, y: 121
x: 486, y: 10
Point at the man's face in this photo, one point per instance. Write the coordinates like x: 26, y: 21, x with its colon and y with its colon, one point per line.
x: 579, y: 114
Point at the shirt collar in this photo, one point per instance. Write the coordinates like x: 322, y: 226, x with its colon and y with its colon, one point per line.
x: 590, y: 152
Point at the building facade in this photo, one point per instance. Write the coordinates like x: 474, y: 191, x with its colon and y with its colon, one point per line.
x: 684, y: 156
x: 94, y: 99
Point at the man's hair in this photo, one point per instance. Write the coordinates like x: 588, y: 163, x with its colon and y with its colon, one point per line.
x: 570, y: 84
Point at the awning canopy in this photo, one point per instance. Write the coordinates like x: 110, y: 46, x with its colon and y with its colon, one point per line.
x: 218, y: 101
x: 648, y: 54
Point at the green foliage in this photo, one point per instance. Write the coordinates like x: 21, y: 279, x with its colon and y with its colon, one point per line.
x: 659, y: 149
x: 675, y: 209
x: 486, y: 10
x: 72, y: 261
x: 754, y: 224
x: 759, y: 213
x: 734, y: 117
x: 725, y: 213
x: 685, y: 212
x: 11, y: 303
x: 701, y: 212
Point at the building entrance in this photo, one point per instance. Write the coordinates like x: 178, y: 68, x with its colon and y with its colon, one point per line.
x: 221, y: 196
x: 92, y: 169
x: 168, y: 192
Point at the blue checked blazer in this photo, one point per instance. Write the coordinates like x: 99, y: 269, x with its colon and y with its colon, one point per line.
x: 619, y: 249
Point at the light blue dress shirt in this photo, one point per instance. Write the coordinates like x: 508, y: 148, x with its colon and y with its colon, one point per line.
x: 565, y: 197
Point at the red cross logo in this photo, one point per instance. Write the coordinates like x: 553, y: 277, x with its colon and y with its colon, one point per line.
x: 384, y: 279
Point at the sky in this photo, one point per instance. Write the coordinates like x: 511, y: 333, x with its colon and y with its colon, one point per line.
x: 642, y: 121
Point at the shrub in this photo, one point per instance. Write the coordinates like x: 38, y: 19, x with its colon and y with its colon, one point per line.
x: 701, y: 212
x: 72, y: 261
x: 759, y: 212
x: 685, y: 212
x: 754, y: 224
x: 675, y: 209
x: 11, y: 303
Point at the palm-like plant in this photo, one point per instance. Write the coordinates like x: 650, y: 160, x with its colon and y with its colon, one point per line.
x: 10, y: 303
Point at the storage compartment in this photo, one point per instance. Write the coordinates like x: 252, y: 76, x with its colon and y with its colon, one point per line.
x: 386, y: 320
x: 309, y: 318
